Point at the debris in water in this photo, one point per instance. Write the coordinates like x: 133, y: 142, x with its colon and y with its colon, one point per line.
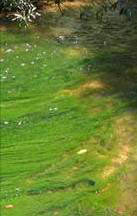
x: 7, y: 70
x: 4, y: 77
x: 8, y: 51
x: 23, y: 64
x: 19, y: 123
x: 6, y: 122
x: 61, y: 37
x: 82, y: 151
x: 53, y: 109
x: 9, y: 206
x: 28, y: 45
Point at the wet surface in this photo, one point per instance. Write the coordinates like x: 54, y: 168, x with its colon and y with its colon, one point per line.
x: 104, y: 55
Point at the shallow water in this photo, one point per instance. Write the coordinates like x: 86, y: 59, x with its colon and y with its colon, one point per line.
x: 65, y: 85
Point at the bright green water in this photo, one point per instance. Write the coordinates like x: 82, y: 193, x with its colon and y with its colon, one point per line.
x: 63, y: 87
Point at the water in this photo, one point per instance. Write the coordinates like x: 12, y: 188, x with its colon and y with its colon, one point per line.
x: 66, y: 83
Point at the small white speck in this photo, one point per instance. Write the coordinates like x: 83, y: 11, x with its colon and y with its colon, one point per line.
x: 61, y: 37
x: 26, y: 50
x: 44, y: 52
x: 32, y: 62
x: 20, y: 123
x: 23, y: 64
x: 1, y: 60
x: 7, y: 70
x: 17, y: 57
x: 28, y: 45
x: 6, y: 122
